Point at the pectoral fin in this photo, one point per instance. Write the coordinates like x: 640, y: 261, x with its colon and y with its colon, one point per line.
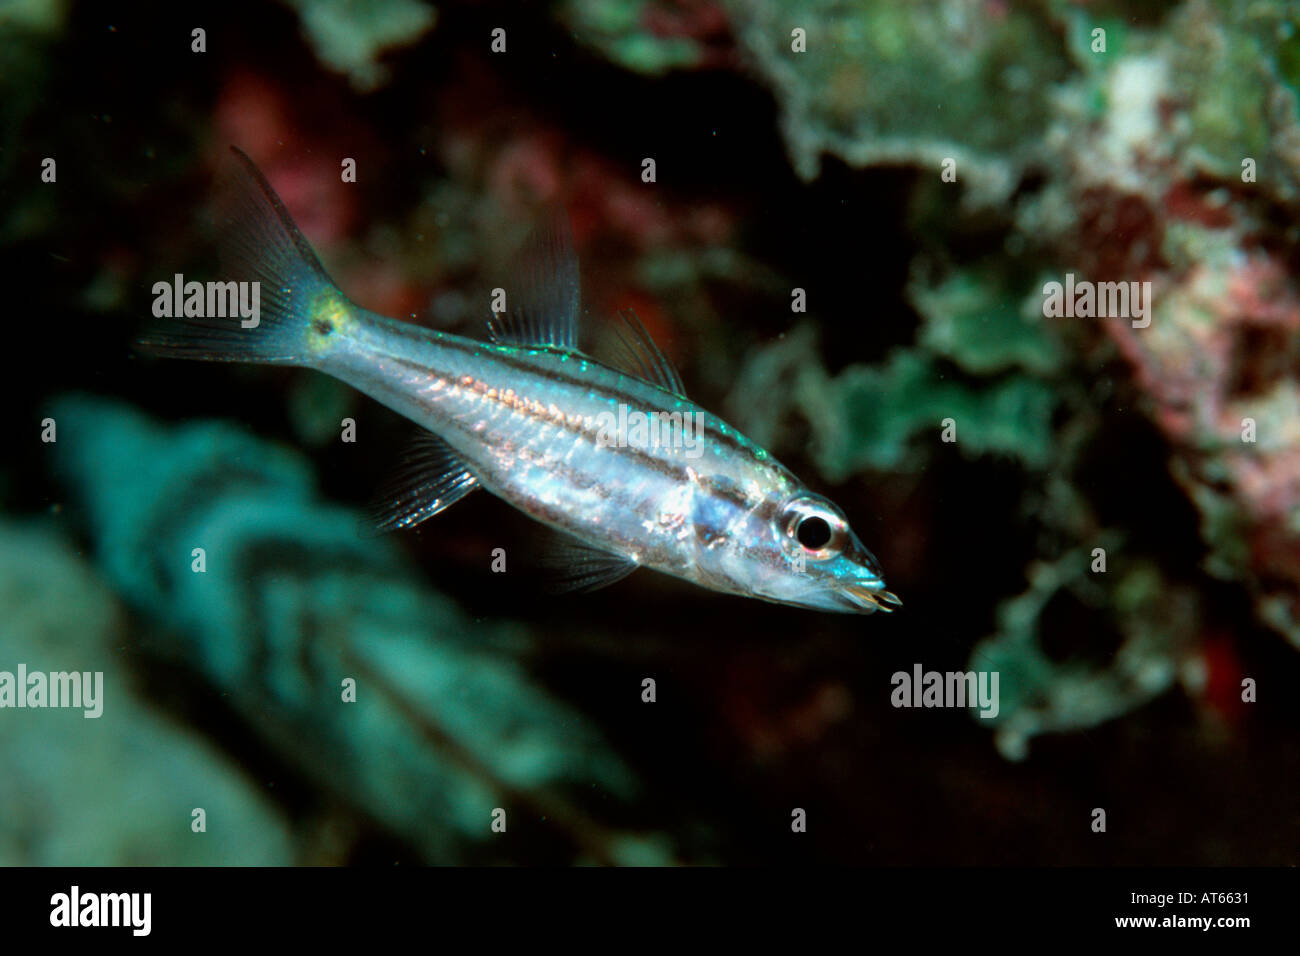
x: 431, y: 478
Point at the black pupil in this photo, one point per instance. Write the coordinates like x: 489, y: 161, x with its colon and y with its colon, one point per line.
x: 814, y: 533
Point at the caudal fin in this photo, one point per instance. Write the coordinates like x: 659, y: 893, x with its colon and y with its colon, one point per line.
x: 260, y: 244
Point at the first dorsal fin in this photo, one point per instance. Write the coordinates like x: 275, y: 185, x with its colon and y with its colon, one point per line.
x: 542, y: 306
x: 542, y: 301
x: 644, y: 359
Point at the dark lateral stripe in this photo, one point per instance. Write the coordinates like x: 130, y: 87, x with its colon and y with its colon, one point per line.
x: 583, y: 479
x: 645, y: 459
x: 580, y: 479
x: 469, y: 346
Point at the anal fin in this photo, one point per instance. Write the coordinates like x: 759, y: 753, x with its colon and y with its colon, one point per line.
x: 431, y: 478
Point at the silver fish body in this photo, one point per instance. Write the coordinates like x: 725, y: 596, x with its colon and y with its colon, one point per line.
x: 527, y: 422
x: 530, y: 422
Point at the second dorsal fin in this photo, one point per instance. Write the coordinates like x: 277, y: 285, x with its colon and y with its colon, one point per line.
x: 542, y: 300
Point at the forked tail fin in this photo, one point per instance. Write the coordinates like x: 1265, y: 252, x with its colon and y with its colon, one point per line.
x: 259, y: 244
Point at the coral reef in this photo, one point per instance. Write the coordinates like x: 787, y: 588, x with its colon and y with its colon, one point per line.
x: 883, y: 82
x: 120, y: 788
x: 292, y: 607
x: 1169, y: 151
x: 652, y: 36
x: 349, y: 35
x: 1192, y: 170
x: 995, y: 455
x: 1060, y: 671
x: 874, y: 416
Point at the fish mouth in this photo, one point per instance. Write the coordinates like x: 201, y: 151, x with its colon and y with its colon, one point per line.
x: 869, y: 599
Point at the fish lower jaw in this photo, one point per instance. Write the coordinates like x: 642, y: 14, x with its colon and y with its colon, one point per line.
x: 872, y: 599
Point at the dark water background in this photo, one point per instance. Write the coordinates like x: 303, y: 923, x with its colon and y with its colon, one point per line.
x: 761, y: 708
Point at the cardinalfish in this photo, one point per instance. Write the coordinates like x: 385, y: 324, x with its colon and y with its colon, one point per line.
x: 527, y: 416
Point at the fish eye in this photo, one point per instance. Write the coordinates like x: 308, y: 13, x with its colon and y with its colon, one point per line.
x: 816, y: 526
x: 813, y: 533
